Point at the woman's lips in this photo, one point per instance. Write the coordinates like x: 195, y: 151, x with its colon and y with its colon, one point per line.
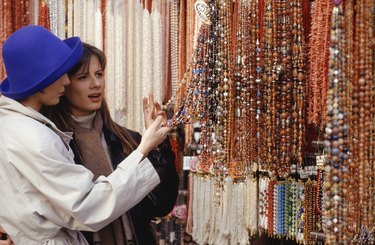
x: 95, y: 97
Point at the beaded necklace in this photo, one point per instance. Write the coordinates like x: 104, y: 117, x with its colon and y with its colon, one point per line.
x: 263, y: 202
x: 2, y: 39
x: 270, y: 207
x: 237, y: 170
x: 44, y: 14
x: 251, y: 205
x: 336, y: 136
x: 283, y: 89
x: 318, y: 57
x: 300, y: 211
x: 269, y: 77
x: 280, y: 210
x: 245, y: 91
x: 299, y: 84
x: 69, y: 18
x: 363, y: 110
x: 259, y: 83
x: 288, y: 208
x: 223, y: 95
x: 309, y: 207
x: 173, y: 34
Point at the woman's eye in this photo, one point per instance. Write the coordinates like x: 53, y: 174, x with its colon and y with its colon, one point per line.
x: 99, y: 74
x: 82, y: 77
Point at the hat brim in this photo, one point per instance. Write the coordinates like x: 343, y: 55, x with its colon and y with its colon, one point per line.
x: 76, y: 53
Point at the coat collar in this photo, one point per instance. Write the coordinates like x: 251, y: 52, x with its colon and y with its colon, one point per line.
x: 13, y: 106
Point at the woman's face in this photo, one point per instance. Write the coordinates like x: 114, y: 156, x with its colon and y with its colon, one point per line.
x: 49, y: 95
x: 86, y: 90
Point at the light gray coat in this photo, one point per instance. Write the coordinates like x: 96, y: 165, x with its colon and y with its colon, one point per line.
x: 44, y: 196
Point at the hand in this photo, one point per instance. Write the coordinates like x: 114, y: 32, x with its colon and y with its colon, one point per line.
x: 7, y: 240
x: 151, y: 110
x: 153, y: 136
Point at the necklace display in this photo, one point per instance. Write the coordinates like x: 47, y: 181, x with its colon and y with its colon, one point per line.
x: 246, y: 88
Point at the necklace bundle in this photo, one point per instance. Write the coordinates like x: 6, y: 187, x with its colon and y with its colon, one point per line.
x: 269, y: 78
x: 290, y: 208
x: 299, y: 84
x: 362, y: 117
x: 57, y: 18
x: 309, y: 207
x: 245, y: 91
x: 279, y: 229
x: 173, y: 33
x: 44, y: 17
x: 263, y: 202
x: 270, y: 207
x: 5, y: 29
x: 336, y: 136
x: 13, y: 15
x: 300, y: 221
x: 283, y: 97
x: 318, y: 60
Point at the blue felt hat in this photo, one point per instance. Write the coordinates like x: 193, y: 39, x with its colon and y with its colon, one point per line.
x: 34, y: 58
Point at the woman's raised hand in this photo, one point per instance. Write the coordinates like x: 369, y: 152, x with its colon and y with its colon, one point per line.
x: 153, y: 136
x: 151, y: 110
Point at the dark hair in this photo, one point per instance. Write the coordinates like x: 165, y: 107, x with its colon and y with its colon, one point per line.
x: 60, y: 114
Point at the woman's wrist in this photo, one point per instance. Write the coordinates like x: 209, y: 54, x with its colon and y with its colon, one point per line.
x: 142, y: 149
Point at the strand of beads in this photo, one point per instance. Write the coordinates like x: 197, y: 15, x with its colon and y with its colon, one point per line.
x: 292, y: 229
x: 336, y: 137
x: 44, y: 14
x: 363, y: 93
x: 299, y: 83
x: 263, y: 202
x: 309, y: 206
x: 288, y: 208
x: 270, y: 58
x: 318, y: 57
x: 199, y: 107
x: 259, y: 83
x: 2, y: 38
x: 353, y: 225
x: 275, y: 210
x: 223, y: 95
x: 237, y: 168
x: 270, y: 207
x: 284, y: 86
x: 280, y: 210
x: 301, y: 219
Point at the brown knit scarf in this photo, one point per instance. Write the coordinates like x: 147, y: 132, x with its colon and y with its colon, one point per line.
x: 93, y: 157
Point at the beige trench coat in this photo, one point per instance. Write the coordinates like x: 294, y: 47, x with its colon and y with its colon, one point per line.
x: 44, y: 196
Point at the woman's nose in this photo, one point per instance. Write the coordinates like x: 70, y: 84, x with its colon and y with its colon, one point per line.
x: 95, y: 82
x: 65, y: 80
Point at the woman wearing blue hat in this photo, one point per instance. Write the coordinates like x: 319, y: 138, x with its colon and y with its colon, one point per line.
x: 45, y: 196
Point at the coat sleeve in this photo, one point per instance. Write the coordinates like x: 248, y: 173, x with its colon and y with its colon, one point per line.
x: 161, y: 200
x: 64, y: 193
